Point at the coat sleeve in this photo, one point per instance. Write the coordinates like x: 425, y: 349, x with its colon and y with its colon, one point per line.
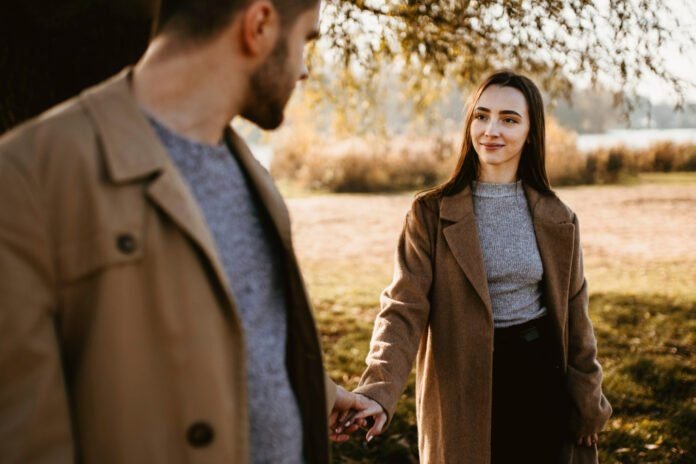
x: 405, y: 308
x: 34, y: 419
x: 584, y: 375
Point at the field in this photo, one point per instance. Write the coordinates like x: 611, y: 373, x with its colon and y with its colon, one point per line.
x: 639, y: 242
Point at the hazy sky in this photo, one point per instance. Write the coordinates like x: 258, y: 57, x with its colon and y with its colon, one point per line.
x: 680, y: 64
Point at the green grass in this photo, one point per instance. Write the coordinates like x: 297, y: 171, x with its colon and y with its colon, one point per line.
x: 644, y: 312
x: 290, y: 189
x: 647, y: 345
x: 668, y: 178
x: 651, y: 178
x: 671, y: 280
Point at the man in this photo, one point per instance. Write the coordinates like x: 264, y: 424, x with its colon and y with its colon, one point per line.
x: 151, y: 306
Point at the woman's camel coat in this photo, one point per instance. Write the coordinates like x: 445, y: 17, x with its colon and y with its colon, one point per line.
x: 438, y: 311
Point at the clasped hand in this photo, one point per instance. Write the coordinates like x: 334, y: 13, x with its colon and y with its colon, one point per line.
x: 351, y: 412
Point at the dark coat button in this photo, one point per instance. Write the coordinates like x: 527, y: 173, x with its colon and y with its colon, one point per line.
x: 200, y: 434
x: 126, y: 244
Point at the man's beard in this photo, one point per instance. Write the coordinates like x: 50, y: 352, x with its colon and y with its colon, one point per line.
x: 270, y: 87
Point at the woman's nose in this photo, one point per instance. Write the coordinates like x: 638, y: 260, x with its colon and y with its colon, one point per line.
x: 491, y: 128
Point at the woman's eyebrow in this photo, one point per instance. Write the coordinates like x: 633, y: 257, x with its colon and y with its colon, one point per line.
x: 483, y: 109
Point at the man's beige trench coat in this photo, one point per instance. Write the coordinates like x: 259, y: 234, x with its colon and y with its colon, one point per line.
x: 438, y: 310
x: 119, y: 338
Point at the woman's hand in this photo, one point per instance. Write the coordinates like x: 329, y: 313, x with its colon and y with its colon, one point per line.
x: 373, y: 409
x: 588, y: 440
x: 343, y: 421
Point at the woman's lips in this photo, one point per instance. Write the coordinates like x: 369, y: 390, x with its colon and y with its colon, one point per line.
x: 492, y: 146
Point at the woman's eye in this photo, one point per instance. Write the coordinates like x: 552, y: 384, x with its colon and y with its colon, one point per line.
x: 510, y: 121
x: 480, y: 117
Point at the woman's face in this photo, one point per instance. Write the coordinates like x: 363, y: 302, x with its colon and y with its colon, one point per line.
x: 499, y: 128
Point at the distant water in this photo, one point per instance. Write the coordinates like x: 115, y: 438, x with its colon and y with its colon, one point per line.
x: 634, y: 138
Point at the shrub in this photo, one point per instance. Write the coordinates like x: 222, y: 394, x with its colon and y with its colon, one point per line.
x: 609, y: 165
x: 366, y: 165
x: 565, y: 165
x: 382, y: 164
x: 669, y: 156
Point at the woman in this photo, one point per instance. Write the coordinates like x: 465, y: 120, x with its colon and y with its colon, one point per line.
x: 490, y: 298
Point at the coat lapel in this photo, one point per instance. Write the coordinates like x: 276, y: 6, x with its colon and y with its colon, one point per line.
x: 555, y: 243
x: 262, y: 184
x: 171, y: 194
x: 463, y: 240
x: 133, y: 153
x: 555, y: 234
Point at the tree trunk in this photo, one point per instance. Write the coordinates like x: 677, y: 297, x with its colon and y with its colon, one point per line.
x: 51, y: 50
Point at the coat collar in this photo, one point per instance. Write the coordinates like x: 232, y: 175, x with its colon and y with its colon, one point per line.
x: 554, y: 230
x: 130, y: 145
x: 463, y: 240
x: 546, y: 208
x: 133, y: 152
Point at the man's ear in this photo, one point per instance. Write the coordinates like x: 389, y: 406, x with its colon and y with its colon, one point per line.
x: 260, y: 28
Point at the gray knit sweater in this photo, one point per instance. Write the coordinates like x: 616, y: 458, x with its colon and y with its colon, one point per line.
x: 510, y: 253
x: 250, y: 254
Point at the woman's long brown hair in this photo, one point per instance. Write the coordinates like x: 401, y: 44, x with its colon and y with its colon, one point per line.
x: 532, y: 168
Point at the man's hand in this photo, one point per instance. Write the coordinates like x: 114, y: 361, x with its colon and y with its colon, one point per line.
x: 350, y: 412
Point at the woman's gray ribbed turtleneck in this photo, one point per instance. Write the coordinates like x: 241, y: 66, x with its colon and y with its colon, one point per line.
x: 510, y: 253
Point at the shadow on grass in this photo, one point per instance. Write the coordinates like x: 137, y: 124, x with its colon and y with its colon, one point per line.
x: 647, y: 345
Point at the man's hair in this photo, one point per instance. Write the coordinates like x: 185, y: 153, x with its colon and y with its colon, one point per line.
x: 202, y: 19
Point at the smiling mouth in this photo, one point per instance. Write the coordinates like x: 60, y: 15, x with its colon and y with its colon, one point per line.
x: 493, y: 145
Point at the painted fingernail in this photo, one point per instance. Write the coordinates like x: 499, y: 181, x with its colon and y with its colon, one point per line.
x: 369, y: 438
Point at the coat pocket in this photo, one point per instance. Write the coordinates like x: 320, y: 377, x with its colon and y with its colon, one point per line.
x: 86, y: 257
